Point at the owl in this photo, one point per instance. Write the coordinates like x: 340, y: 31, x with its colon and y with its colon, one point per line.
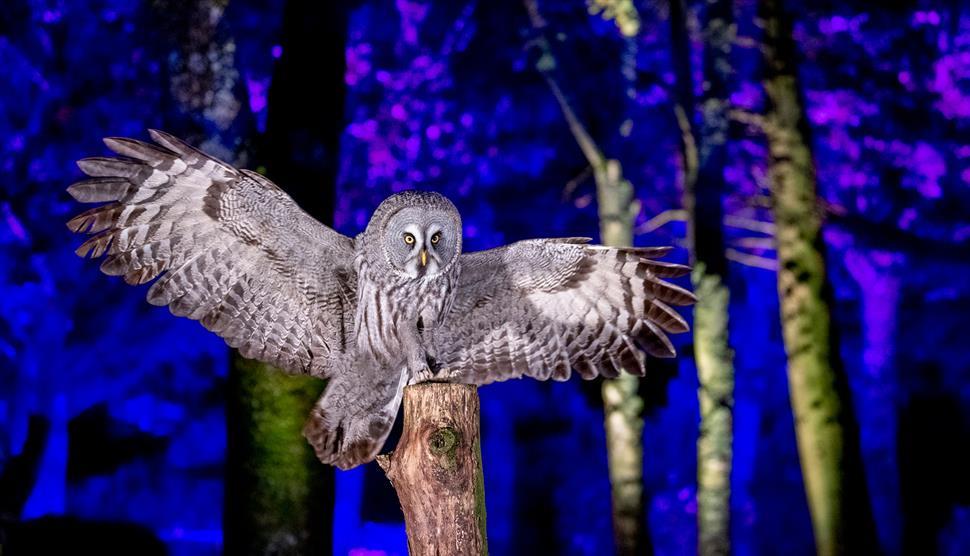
x: 399, y: 303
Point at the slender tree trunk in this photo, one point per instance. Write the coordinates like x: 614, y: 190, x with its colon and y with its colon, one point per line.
x: 704, y: 160
x: 622, y: 404
x: 436, y: 470
x: 806, y: 321
x: 715, y: 373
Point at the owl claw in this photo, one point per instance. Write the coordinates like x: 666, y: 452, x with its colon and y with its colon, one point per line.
x: 430, y: 371
x: 433, y: 365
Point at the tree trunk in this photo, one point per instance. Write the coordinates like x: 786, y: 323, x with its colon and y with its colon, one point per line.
x: 279, y: 497
x: 277, y: 492
x: 622, y: 404
x: 705, y: 156
x: 436, y: 470
x: 805, y: 315
x: 715, y: 376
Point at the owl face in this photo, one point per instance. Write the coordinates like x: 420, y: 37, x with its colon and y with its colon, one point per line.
x: 421, y: 241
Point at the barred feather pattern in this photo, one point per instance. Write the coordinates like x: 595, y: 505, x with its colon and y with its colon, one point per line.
x: 350, y: 423
x: 545, y: 308
x: 230, y: 249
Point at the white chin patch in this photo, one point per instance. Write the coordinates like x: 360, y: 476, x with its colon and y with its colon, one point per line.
x: 413, y: 268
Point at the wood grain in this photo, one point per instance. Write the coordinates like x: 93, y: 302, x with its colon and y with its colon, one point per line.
x: 437, y: 471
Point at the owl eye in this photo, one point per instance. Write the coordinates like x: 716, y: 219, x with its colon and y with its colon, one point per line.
x: 408, y: 238
x: 436, y: 238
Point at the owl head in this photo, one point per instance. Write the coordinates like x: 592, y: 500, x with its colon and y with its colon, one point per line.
x: 418, y: 231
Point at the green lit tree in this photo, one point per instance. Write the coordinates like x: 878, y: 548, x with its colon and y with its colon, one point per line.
x: 704, y: 159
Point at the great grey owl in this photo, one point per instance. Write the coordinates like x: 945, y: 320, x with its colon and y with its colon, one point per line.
x: 398, y: 304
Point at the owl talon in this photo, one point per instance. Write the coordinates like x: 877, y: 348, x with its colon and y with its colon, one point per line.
x: 433, y: 366
x: 431, y: 373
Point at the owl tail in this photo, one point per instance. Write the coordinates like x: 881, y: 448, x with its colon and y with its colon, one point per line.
x: 350, y: 422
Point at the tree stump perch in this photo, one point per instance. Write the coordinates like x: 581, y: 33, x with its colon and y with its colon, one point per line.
x: 437, y: 471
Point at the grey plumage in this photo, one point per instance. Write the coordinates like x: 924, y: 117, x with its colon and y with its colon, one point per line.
x: 398, y: 304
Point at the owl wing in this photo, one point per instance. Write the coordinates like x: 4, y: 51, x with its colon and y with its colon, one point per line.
x: 232, y: 249
x: 542, y: 308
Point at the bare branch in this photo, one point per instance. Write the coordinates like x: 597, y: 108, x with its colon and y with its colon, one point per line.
x: 661, y: 220
x: 583, y: 138
x: 826, y: 208
x: 460, y: 30
x: 756, y: 242
x: 747, y: 117
x: 573, y: 184
x: 746, y: 42
x: 762, y: 201
x: 690, y: 147
x: 538, y: 22
x: 751, y: 260
x: 750, y: 224
x: 749, y: 43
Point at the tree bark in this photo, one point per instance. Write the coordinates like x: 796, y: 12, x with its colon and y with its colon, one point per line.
x: 715, y: 377
x: 705, y: 155
x: 622, y: 404
x: 436, y: 470
x: 805, y: 315
x: 277, y: 492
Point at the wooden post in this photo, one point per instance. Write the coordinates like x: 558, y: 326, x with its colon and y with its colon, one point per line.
x: 437, y: 471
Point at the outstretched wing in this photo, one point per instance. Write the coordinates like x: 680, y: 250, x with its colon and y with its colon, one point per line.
x: 542, y: 308
x: 234, y: 251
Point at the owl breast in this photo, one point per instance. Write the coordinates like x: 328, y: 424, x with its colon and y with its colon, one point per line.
x: 396, y: 315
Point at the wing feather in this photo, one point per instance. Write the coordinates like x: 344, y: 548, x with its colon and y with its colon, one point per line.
x: 228, y: 247
x: 545, y: 308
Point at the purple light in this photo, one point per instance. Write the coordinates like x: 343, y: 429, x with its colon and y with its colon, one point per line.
x: 398, y: 112
x: 951, y: 74
x: 257, y: 89
x: 366, y: 552
x: 358, y: 64
x: 13, y: 223
x: 930, y: 168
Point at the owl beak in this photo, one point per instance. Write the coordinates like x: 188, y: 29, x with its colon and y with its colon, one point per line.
x: 424, y: 257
